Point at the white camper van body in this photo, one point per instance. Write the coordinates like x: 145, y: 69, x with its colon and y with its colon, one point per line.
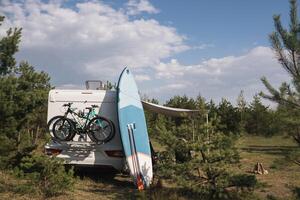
x: 87, y: 153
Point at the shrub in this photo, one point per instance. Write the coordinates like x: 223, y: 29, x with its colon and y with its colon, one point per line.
x: 243, y: 181
x: 296, y: 192
x: 271, y: 197
x: 49, y: 174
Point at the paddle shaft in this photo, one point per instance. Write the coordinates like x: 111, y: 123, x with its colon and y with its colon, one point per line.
x: 135, y: 161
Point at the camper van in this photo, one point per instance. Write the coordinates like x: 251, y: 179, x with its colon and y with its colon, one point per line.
x: 82, y: 151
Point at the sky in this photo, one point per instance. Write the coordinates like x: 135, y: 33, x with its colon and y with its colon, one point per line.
x: 210, y: 48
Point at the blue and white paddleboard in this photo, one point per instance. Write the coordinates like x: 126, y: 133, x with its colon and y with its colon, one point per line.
x: 133, y: 130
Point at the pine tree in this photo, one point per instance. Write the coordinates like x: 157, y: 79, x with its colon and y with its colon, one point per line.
x: 229, y: 117
x: 23, y: 104
x: 287, y: 49
x: 242, y: 109
x: 286, y: 46
x: 9, y: 45
x: 23, y: 97
x: 260, y: 119
x: 198, y: 155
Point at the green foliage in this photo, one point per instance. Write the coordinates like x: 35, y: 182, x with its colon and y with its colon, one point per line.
x: 153, y: 120
x: 47, y: 174
x: 23, y: 97
x: 242, y: 109
x: 243, y: 180
x: 9, y: 45
x: 260, y: 120
x: 294, y: 156
x: 9, y: 183
x: 109, y: 86
x: 180, y: 102
x: 286, y: 45
x: 229, y: 117
x: 290, y: 120
x: 198, y: 154
x: 296, y: 192
x: 271, y: 197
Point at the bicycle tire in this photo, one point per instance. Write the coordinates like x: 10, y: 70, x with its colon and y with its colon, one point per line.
x: 70, y: 128
x: 51, y: 123
x: 98, y: 136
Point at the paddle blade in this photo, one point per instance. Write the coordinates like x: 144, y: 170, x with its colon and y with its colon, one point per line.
x: 140, y: 183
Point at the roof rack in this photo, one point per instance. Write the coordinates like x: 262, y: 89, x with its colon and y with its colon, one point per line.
x: 94, y: 85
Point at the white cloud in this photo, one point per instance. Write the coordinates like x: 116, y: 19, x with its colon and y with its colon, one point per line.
x: 140, y: 77
x: 169, y: 70
x: 91, y: 41
x: 70, y: 86
x: 203, y: 46
x: 95, y: 41
x: 174, y: 86
x: 222, y: 77
x: 135, y: 7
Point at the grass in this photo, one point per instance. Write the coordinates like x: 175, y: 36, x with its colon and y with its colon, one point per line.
x: 282, y: 179
x: 283, y: 176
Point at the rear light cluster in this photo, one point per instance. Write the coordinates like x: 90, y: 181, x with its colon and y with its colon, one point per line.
x: 52, y: 152
x: 115, y: 153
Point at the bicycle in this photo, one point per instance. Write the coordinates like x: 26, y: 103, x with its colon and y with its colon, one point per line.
x: 98, y: 128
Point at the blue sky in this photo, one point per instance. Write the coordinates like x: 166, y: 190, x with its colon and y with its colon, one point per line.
x: 232, y: 26
x: 208, y: 47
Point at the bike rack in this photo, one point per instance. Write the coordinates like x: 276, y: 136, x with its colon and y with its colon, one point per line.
x: 75, y: 143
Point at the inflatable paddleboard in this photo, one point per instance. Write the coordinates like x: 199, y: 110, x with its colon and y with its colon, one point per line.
x: 133, y: 130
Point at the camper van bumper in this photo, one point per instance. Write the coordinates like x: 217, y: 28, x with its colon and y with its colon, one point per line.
x: 85, y: 154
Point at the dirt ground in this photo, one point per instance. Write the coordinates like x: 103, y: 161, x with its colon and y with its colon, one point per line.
x: 280, y: 181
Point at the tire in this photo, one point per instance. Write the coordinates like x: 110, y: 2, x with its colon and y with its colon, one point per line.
x: 63, y: 129
x: 51, y: 123
x: 101, y: 129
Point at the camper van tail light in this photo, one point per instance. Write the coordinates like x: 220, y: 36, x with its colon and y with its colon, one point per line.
x: 115, y: 153
x: 52, y: 152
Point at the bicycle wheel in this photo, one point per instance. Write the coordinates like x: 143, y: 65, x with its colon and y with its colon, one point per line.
x: 101, y: 129
x: 63, y: 129
x: 51, y: 123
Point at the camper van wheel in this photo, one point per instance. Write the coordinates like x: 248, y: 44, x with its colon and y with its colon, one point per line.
x: 101, y: 129
x: 63, y: 129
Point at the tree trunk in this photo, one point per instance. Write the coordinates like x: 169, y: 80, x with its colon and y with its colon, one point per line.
x: 36, y: 135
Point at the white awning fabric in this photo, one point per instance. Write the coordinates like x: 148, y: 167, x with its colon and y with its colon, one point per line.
x: 174, y: 112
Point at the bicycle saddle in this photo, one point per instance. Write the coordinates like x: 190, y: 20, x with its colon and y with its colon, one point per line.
x: 67, y: 104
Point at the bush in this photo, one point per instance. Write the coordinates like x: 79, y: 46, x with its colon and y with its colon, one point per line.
x: 47, y: 173
x: 243, y: 181
x: 296, y: 192
x: 271, y: 197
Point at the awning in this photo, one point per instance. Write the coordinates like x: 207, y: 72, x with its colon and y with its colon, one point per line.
x: 174, y: 112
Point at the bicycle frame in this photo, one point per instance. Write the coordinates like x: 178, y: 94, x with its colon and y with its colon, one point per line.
x: 92, y: 113
x: 89, y: 124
